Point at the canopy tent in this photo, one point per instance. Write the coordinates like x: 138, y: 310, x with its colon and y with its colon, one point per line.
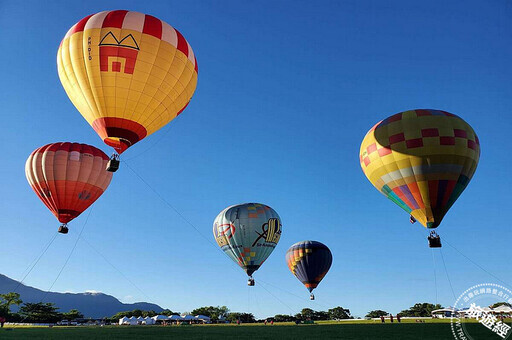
x: 444, y: 312
x: 503, y: 309
x: 203, y: 318
x: 148, y: 321
x: 124, y: 320
x: 160, y: 317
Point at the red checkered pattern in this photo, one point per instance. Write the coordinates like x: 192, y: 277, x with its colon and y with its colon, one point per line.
x: 417, y: 142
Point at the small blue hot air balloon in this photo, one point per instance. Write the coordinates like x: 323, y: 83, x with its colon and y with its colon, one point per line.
x: 309, y: 261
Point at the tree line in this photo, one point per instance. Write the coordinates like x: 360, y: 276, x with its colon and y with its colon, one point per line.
x: 33, y: 312
x: 48, y: 313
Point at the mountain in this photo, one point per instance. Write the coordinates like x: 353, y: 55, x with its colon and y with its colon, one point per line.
x: 94, y: 305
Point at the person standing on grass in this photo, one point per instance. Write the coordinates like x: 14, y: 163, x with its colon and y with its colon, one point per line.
x: 398, y: 318
x: 382, y: 319
x: 2, y: 321
x: 391, y: 317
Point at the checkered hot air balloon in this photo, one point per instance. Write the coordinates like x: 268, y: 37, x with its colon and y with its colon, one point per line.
x: 309, y: 261
x: 68, y: 177
x: 422, y: 160
x: 128, y: 74
x: 248, y: 233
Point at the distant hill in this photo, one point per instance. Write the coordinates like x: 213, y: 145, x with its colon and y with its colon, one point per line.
x: 94, y: 305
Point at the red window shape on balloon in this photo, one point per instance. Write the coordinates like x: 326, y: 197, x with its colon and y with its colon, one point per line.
x: 118, y: 55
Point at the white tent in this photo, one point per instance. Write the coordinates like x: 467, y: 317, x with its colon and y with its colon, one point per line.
x: 203, y: 318
x: 132, y: 320
x: 503, y: 309
x: 160, y: 318
x: 188, y: 317
x: 149, y: 321
x: 444, y: 312
x: 175, y: 318
x: 124, y: 320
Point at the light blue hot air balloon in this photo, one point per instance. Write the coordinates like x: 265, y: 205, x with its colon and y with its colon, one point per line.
x: 248, y: 233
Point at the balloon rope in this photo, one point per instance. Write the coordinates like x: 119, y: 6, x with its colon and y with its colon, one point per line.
x: 476, y: 264
x: 275, y: 297
x: 447, y: 276
x: 35, y: 261
x: 69, y: 256
x: 117, y: 269
x: 297, y: 296
x: 435, y: 274
x: 177, y: 212
x: 151, y: 146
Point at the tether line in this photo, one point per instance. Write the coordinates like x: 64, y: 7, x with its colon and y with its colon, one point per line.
x: 476, y: 264
x: 117, y: 269
x: 36, y: 261
x: 69, y: 256
x: 447, y: 276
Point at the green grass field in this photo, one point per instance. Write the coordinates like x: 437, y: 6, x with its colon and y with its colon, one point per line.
x: 437, y: 331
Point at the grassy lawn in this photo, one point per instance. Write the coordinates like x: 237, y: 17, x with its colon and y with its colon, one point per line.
x: 339, y: 330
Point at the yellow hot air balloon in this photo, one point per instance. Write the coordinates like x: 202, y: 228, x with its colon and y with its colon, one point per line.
x: 128, y: 74
x: 422, y: 160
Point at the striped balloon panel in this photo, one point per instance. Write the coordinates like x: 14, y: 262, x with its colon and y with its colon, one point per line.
x: 127, y: 73
x: 68, y: 177
x: 422, y: 160
x: 248, y: 233
x: 309, y: 261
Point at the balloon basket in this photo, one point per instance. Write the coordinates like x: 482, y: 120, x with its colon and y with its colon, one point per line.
x: 434, y: 241
x: 250, y: 282
x: 63, y: 229
x: 113, y: 163
x: 312, y: 296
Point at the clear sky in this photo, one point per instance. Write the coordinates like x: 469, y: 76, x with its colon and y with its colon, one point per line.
x: 286, y: 92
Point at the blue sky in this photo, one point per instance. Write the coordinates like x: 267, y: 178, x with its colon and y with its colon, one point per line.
x: 286, y: 92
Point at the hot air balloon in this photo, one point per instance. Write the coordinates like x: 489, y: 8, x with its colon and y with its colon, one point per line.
x: 422, y: 160
x: 309, y: 261
x: 247, y: 233
x: 68, y: 178
x: 128, y: 74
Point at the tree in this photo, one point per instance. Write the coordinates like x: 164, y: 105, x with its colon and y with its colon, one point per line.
x: 10, y: 299
x: 120, y: 315
x: 168, y: 312
x: 6, y: 301
x: 40, y: 312
x: 149, y: 313
x: 376, y: 313
x: 420, y: 309
x: 243, y: 317
x: 136, y: 313
x: 214, y: 313
x: 283, y: 318
x: 338, y: 313
x: 320, y: 315
x: 307, y: 313
x: 72, y: 315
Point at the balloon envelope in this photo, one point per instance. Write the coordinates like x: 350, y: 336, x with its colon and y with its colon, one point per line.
x: 309, y: 261
x: 128, y: 74
x: 68, y: 177
x: 422, y: 160
x: 247, y: 233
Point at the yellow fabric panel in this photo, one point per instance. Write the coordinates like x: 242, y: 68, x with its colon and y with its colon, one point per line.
x: 413, y: 148
x: 162, y: 83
